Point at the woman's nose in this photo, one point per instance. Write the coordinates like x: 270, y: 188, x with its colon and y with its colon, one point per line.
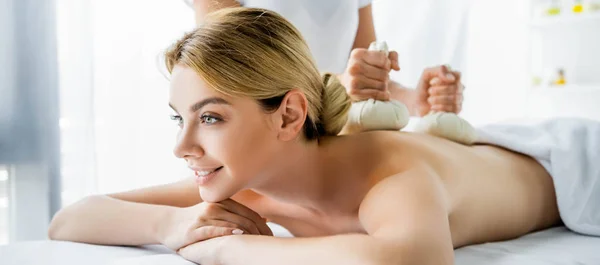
x: 187, y: 145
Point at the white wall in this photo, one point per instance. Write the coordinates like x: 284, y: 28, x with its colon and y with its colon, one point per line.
x: 115, y: 123
x: 487, y: 40
x: 131, y: 95
x: 498, y: 76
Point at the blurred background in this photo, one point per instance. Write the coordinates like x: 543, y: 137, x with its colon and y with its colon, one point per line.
x: 83, y: 94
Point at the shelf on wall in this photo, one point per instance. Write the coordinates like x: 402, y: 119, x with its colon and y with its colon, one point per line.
x: 582, y: 101
x: 568, y: 88
x: 566, y: 19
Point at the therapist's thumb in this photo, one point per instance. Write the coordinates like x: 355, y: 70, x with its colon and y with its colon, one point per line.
x: 441, y: 74
x: 393, y: 56
x: 445, y: 73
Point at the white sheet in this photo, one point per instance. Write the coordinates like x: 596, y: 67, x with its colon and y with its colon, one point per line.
x: 569, y: 149
x: 555, y: 246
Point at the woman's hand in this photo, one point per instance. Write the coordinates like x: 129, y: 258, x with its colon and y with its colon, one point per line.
x: 207, y: 252
x: 439, y: 89
x: 204, y: 221
x: 367, y: 74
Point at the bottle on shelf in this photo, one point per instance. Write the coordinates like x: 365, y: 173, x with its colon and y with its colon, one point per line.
x: 554, y: 8
x: 593, y: 5
x: 578, y: 6
x: 559, y: 79
x: 545, y: 8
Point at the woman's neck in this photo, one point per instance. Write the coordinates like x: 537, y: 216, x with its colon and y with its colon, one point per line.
x: 311, y: 175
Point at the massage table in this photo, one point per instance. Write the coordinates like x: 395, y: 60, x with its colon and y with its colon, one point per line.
x: 555, y: 246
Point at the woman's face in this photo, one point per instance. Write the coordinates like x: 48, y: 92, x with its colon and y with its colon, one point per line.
x: 228, y: 142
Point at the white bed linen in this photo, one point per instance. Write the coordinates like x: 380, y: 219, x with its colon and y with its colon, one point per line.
x: 555, y: 246
x: 569, y: 149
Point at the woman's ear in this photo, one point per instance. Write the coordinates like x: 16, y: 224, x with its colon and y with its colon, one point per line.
x: 292, y: 111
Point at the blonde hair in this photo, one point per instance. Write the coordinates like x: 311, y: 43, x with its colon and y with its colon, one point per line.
x: 256, y: 53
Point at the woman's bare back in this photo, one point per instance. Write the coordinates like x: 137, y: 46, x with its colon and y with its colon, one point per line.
x: 493, y: 194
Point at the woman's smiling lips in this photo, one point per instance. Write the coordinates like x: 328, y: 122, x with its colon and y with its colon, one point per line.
x: 203, y: 176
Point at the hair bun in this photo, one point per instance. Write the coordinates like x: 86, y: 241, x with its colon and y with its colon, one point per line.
x: 335, y: 105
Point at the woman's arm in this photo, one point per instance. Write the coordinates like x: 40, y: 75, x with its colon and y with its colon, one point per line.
x: 203, y: 7
x: 173, y: 215
x: 340, y: 249
x: 128, y: 218
x: 406, y: 218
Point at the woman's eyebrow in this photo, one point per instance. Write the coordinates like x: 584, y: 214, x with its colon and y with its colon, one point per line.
x: 173, y: 108
x: 200, y: 104
x: 214, y: 100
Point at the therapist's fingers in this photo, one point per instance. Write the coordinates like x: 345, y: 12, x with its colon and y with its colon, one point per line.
x: 444, y: 90
x: 447, y: 99
x: 442, y: 100
x: 374, y: 58
x: 368, y: 71
x: 368, y: 83
x: 446, y: 103
x: 457, y: 74
x: 375, y: 94
x: 446, y: 74
x: 364, y: 88
x: 446, y: 108
x: 438, y: 75
x: 393, y: 56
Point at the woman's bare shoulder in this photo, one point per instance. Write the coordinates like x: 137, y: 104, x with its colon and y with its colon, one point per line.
x: 409, y: 207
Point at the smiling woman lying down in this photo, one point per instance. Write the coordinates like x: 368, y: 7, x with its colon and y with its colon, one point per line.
x: 258, y: 125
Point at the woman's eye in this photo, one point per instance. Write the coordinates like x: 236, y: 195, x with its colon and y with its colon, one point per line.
x: 177, y: 119
x: 208, y: 119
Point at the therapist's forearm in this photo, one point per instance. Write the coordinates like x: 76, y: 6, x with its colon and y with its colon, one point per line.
x: 340, y: 249
x: 405, y: 95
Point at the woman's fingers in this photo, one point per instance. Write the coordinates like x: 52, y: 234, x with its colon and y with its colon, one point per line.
x: 260, y: 222
x: 241, y: 221
x: 237, y: 208
x: 227, y: 224
x: 209, y: 231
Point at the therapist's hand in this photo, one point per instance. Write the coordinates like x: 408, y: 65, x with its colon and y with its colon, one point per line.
x: 367, y: 74
x: 439, y: 89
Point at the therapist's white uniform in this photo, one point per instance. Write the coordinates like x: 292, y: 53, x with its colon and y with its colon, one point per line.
x: 425, y: 32
x: 328, y: 26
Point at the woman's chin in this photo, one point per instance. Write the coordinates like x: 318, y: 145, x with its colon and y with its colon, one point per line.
x: 213, y: 195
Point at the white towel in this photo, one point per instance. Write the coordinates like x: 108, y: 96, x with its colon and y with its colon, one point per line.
x: 160, y: 259
x: 569, y: 149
